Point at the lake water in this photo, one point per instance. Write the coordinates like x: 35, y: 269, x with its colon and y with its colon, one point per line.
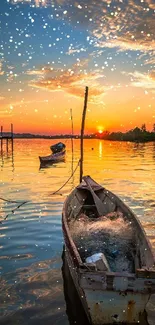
x: 31, y: 240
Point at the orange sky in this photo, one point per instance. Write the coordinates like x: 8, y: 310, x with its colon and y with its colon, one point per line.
x: 47, y: 60
x: 50, y: 112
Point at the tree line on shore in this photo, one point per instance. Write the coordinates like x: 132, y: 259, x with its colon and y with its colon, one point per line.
x: 136, y: 134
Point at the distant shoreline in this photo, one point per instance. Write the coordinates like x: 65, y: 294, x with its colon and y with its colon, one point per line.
x: 138, y: 135
x: 88, y: 137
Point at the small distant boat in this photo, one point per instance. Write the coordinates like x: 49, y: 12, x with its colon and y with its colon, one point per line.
x: 53, y: 158
x: 58, y: 147
x: 58, y: 154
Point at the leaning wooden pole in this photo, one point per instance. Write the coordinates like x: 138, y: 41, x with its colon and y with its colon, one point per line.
x: 11, y: 130
x: 72, y: 138
x: 82, y: 132
x: 12, y: 135
x: 1, y: 139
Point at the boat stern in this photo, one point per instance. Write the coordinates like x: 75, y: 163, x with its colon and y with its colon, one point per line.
x: 115, y: 299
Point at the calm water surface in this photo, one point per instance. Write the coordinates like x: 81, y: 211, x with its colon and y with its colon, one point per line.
x: 31, y: 240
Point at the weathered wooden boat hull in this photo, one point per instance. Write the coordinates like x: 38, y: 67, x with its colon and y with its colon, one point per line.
x: 75, y: 277
x: 54, y: 158
x: 105, y: 306
x: 109, y: 297
x: 74, y: 308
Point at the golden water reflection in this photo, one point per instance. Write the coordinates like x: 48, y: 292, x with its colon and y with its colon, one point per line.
x: 100, y: 149
x: 31, y: 239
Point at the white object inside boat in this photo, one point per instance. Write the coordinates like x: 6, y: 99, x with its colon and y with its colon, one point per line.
x: 99, y: 260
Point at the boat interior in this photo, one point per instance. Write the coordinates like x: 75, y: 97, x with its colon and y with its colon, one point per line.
x: 100, y: 223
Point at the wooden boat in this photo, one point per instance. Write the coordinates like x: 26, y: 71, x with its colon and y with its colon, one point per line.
x: 108, y: 254
x: 108, y: 297
x: 53, y: 158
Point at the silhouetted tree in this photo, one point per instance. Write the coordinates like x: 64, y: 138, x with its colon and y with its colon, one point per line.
x: 153, y: 127
x: 143, y: 127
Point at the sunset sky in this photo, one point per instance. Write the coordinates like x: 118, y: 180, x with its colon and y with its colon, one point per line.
x: 51, y: 49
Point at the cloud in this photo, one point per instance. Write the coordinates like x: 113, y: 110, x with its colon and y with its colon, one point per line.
x: 1, y: 66
x: 76, y: 49
x: 151, y: 4
x: 152, y: 75
x: 126, y: 43
x: 143, y: 80
x: 150, y: 60
x: 7, y: 113
x: 126, y: 24
x: 35, y: 72
x: 37, y: 3
x: 71, y: 81
x: 128, y: 27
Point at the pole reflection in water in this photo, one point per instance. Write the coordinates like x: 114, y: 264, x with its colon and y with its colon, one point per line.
x: 139, y: 149
x: 74, y: 309
x: 1, y: 155
x: 7, y: 155
x: 153, y: 150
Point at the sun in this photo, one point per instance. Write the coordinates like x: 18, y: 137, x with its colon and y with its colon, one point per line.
x: 100, y: 129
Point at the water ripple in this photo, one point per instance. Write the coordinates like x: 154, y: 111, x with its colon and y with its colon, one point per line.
x: 31, y: 239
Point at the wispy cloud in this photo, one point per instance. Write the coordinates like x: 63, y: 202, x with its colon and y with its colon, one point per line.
x: 78, y: 49
x: 126, y: 24
x: 36, y: 72
x: 125, y: 43
x: 150, y: 60
x: 1, y: 68
x: 71, y: 81
x: 143, y: 80
x: 37, y: 3
x: 23, y: 103
x: 5, y: 113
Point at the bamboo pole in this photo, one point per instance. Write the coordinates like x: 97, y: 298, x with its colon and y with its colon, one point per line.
x: 72, y: 138
x: 82, y: 132
x: 12, y: 130
x: 1, y: 139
